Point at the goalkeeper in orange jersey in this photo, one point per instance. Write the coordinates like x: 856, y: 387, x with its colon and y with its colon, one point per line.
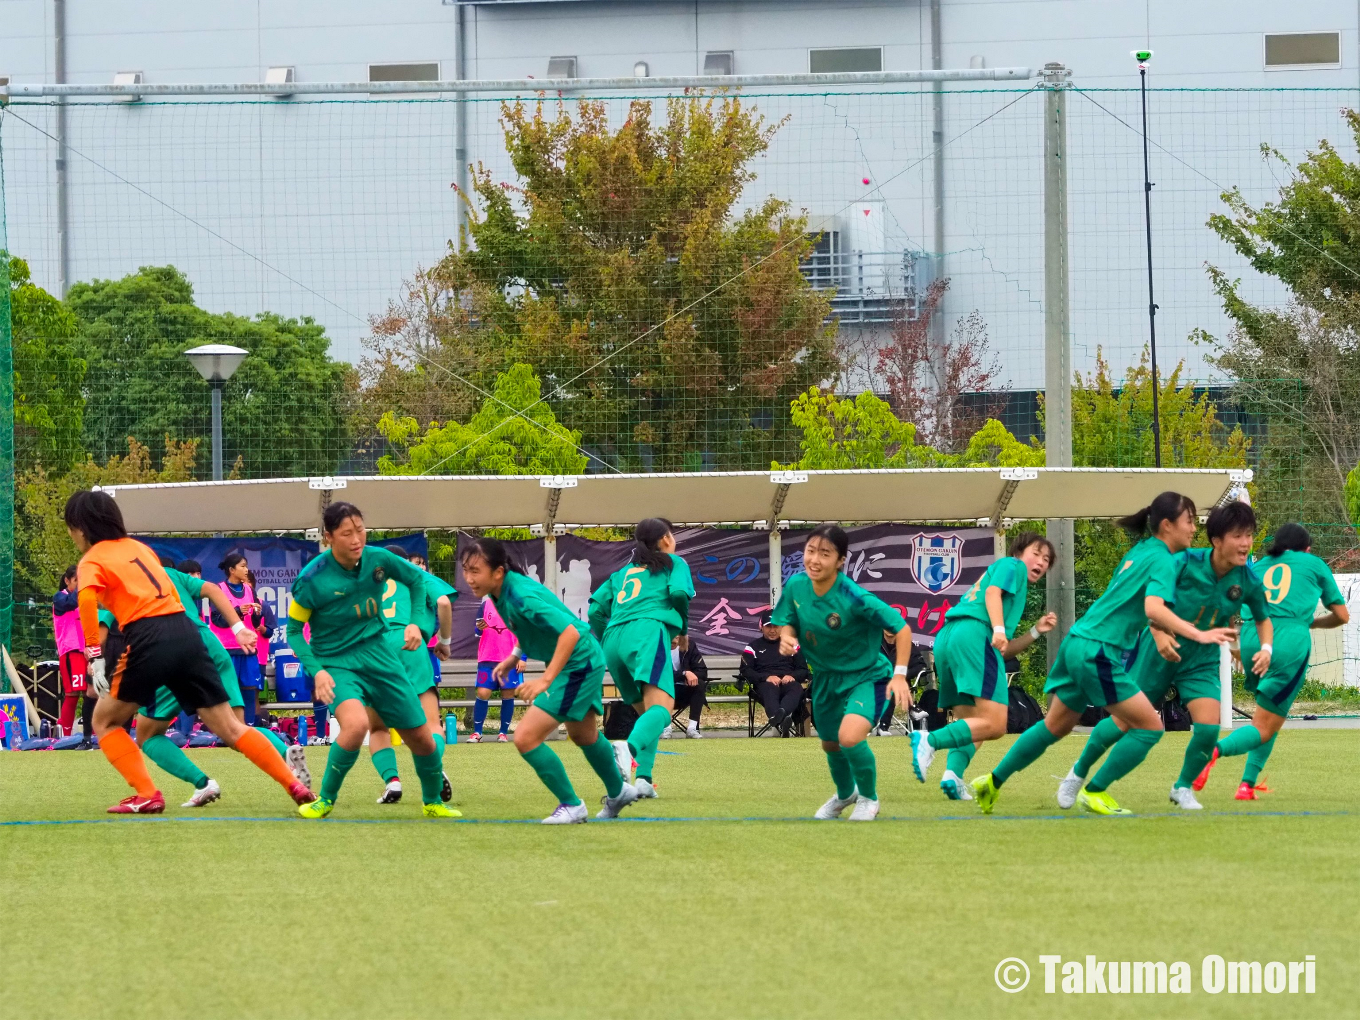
x: 163, y: 649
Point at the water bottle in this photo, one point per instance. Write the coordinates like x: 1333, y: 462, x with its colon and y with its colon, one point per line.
x: 302, y: 731
x: 46, y: 729
x: 451, y: 728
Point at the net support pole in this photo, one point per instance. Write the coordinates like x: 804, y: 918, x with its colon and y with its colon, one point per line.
x: 550, y: 559
x: 1225, y: 688
x: 460, y: 152
x: 1061, y: 581
x: 776, y: 563
x: 6, y: 441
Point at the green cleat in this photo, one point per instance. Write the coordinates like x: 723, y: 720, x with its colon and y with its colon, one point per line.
x: 1100, y: 803
x: 440, y: 811
x: 318, y: 808
x: 985, y: 791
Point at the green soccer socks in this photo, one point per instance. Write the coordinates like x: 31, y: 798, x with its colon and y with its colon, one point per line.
x: 274, y: 739
x: 543, y: 760
x: 338, y: 763
x: 1240, y: 741
x: 956, y: 734
x: 1024, y: 752
x: 841, y: 773
x: 864, y: 769
x: 1256, y: 761
x: 430, y: 771
x: 601, y: 757
x: 1103, y: 736
x: 385, y: 763
x: 958, y: 759
x: 1197, y: 754
x: 646, y: 732
x: 1129, y: 752
x: 162, y: 750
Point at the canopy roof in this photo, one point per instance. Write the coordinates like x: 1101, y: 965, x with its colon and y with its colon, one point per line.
x: 395, y: 502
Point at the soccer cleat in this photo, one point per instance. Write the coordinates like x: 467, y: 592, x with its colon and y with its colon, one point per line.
x: 866, y: 810
x: 301, y: 794
x: 567, y: 814
x: 392, y: 793
x: 955, y: 788
x: 1244, y: 792
x: 1203, y: 776
x: 297, y: 764
x: 474, y: 738
x: 623, y: 758
x: 503, y: 739
x: 446, y: 790
x: 922, y: 754
x: 666, y: 733
x: 645, y: 789
x: 613, y: 805
x: 985, y: 791
x: 318, y: 808
x: 440, y: 811
x: 204, y: 795
x: 1100, y: 803
x: 1184, y: 797
x: 1069, y: 788
x: 834, y: 807
x: 139, y: 805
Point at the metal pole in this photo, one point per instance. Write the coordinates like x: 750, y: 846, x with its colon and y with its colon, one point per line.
x: 63, y: 207
x: 1152, y: 304
x: 1061, y: 581
x: 217, y: 430
x: 937, y: 134
x: 461, y: 115
x: 776, y: 563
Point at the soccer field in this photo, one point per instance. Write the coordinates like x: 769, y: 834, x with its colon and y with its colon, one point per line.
x: 722, y: 898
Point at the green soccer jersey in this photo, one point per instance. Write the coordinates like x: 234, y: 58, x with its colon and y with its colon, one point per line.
x: 398, y: 608
x: 1206, y: 600
x: 841, y: 631
x: 1294, y: 583
x: 537, y: 617
x: 190, y: 591
x: 344, y: 606
x: 636, y: 593
x: 1012, y: 577
x: 1117, y: 617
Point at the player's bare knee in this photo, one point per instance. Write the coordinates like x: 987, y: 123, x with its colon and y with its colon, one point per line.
x: 524, y: 742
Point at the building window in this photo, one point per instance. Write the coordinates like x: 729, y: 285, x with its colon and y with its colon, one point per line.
x: 403, y: 72
x: 718, y: 62
x: 561, y: 67
x: 1303, y: 50
x: 839, y: 61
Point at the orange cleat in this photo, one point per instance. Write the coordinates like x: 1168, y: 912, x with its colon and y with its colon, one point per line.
x: 301, y: 794
x: 1203, y: 776
x: 139, y: 805
x: 1246, y: 792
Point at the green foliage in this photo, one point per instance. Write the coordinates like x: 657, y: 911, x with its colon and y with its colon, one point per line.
x: 133, y: 333
x: 48, y: 376
x: 514, y: 433
x: 672, y: 330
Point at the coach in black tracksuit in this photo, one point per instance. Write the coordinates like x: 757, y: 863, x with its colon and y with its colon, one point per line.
x: 776, y: 679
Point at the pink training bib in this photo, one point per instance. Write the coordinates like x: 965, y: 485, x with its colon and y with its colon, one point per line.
x: 496, y: 641
x: 68, y: 632
x: 224, y: 634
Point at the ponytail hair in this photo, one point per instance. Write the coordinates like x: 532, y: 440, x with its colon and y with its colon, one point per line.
x: 646, y: 538
x: 1166, y: 507
x: 1290, y: 538
x: 834, y: 534
x: 229, y: 562
x: 491, y: 550
x: 337, y: 514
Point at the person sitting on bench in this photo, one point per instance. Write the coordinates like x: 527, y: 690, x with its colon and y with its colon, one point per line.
x: 691, y: 684
x: 777, y: 679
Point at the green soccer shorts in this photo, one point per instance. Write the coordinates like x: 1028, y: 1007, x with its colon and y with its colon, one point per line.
x: 836, y: 695
x: 1087, y: 673
x: 637, y: 653
x: 1195, y: 676
x: 576, y: 692
x: 1276, y: 691
x: 166, y: 707
x: 373, y: 674
x: 415, y: 663
x: 967, y: 667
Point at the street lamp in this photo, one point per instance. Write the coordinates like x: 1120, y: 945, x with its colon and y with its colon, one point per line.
x: 216, y: 363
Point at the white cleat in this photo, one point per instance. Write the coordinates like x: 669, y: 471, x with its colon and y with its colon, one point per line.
x: 1184, y: 798
x: 692, y: 732
x: 866, y: 810
x: 666, y: 734
x: 922, y: 754
x: 624, y: 759
x: 613, y: 805
x: 645, y: 790
x: 1068, y: 789
x: 205, y: 795
x: 834, y: 807
x: 297, y: 764
x: 955, y: 788
x: 568, y: 814
x: 392, y: 793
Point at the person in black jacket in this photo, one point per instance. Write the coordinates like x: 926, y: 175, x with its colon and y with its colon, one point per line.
x: 691, y: 684
x: 776, y: 679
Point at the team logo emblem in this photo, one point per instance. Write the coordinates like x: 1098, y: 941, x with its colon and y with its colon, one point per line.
x: 379, y: 575
x: 834, y: 621
x: 937, y: 561
x: 1234, y: 593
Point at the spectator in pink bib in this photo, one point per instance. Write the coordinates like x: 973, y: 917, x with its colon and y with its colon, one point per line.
x: 242, y: 597
x: 494, y: 644
x: 71, y: 655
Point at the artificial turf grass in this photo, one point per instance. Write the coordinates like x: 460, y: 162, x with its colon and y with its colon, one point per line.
x: 770, y: 918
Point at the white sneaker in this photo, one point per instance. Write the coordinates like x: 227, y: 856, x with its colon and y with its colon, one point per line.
x: 567, y: 814
x: 624, y: 759
x: 955, y: 788
x: 692, y: 732
x: 834, y: 807
x: 205, y: 795
x: 645, y: 790
x: 392, y: 793
x: 922, y: 754
x: 666, y: 734
x: 1184, y: 798
x: 1068, y: 789
x: 297, y: 764
x: 866, y: 810
x: 613, y: 805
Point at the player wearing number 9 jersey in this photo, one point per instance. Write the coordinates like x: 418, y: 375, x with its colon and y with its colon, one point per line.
x: 636, y: 614
x: 1295, y: 581
x: 355, y: 665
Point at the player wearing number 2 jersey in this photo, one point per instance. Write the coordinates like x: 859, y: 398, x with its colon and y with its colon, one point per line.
x: 1295, y: 582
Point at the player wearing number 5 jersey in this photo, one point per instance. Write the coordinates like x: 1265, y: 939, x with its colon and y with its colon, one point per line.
x: 636, y: 614
x: 1295, y: 582
x: 163, y: 647
x: 355, y: 665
